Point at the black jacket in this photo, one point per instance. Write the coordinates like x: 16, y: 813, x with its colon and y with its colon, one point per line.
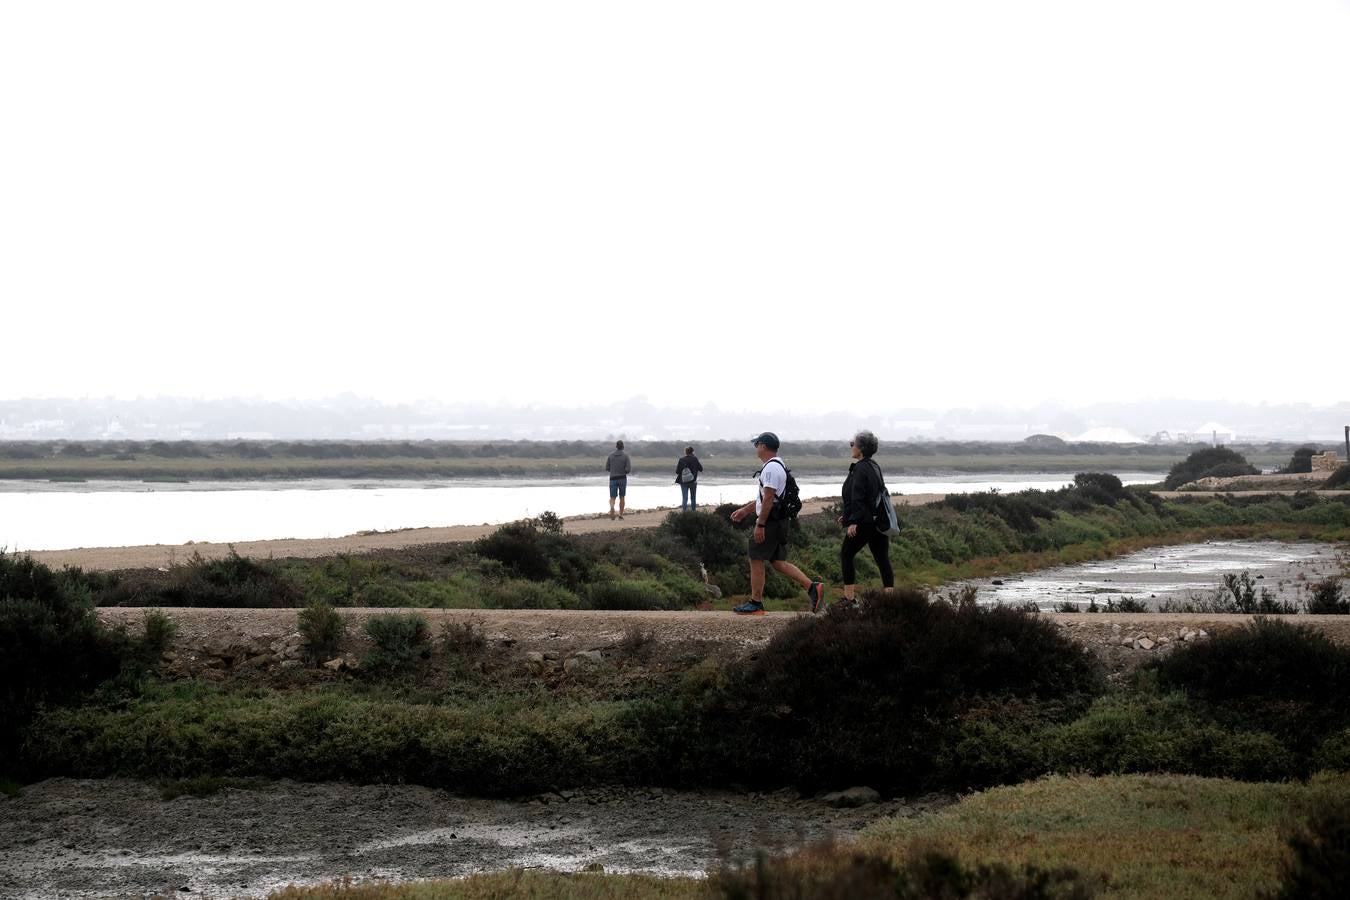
x: 688, y: 461
x: 860, y: 492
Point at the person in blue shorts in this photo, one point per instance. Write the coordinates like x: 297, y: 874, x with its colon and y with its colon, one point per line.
x: 618, y: 465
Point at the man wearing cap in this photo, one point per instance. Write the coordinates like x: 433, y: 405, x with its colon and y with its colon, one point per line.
x: 768, y: 541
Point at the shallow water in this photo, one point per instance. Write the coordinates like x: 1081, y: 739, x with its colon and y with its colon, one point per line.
x: 40, y: 515
x: 1179, y: 573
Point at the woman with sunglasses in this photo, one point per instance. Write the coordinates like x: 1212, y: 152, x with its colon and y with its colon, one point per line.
x: 861, y: 490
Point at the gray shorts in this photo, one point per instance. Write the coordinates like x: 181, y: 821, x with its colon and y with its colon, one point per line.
x: 775, y: 541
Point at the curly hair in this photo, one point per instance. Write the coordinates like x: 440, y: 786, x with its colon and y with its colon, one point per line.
x: 866, y: 442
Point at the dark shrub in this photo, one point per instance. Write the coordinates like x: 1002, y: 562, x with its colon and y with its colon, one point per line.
x: 529, y: 552
x: 630, y: 595
x: 869, y: 696
x: 52, y: 645
x: 1100, y: 487
x: 1203, y: 463
x: 520, y: 547
x: 398, y: 639
x: 1339, y: 479
x: 1327, y: 597
x: 716, y: 543
x: 1319, y: 864
x: 322, y: 628
x: 1267, y: 676
x: 1300, y: 462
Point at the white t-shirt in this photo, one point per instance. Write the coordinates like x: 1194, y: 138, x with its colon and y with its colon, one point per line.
x: 774, y: 475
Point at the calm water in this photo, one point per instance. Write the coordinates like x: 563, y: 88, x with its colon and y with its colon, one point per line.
x: 51, y: 516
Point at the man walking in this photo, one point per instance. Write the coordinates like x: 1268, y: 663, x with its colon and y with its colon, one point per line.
x: 618, y: 465
x: 768, y: 541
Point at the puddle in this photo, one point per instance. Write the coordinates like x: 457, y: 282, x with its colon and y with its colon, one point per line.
x: 1178, y: 573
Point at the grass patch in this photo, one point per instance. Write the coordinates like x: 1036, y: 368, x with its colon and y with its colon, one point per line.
x: 1141, y: 836
x: 516, y: 883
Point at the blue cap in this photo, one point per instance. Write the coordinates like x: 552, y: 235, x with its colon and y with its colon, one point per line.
x: 767, y: 438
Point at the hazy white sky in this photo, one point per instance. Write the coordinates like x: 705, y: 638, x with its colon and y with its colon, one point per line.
x: 866, y: 205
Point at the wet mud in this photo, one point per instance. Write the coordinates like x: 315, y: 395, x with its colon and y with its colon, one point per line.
x: 121, y: 838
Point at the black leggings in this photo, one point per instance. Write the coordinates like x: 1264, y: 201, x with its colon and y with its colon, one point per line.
x: 878, y: 543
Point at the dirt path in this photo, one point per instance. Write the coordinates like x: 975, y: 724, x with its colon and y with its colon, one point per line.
x: 165, y: 555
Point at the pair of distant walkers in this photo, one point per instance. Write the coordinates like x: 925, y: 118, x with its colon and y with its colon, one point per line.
x: 619, y: 465
x: 862, y: 489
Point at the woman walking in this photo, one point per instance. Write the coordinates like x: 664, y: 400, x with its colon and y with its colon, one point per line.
x: 686, y: 476
x: 862, y: 488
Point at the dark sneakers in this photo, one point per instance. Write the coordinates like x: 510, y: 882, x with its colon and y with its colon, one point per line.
x: 817, y: 594
x: 749, y: 608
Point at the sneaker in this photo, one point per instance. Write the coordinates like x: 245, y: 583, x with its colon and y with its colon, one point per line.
x: 749, y: 608
x: 817, y: 594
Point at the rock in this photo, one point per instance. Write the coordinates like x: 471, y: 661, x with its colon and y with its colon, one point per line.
x: 334, y: 664
x: 534, y: 657
x: 1145, y: 644
x: 713, y: 591
x: 853, y: 797
x: 582, y: 658
x: 1127, y: 641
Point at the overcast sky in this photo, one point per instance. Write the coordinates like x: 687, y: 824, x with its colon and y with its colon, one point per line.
x: 857, y: 205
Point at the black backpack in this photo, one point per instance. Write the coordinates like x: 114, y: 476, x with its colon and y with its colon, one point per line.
x: 788, y: 505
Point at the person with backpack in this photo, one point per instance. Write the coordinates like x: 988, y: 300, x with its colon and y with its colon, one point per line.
x: 686, y: 476
x: 776, y: 503
x: 867, y: 512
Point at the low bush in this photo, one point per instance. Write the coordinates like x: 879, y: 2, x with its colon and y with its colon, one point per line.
x: 713, y: 539
x: 322, y: 628
x: 1208, y: 462
x: 53, y: 648
x: 871, y: 695
x: 1338, y: 480
x: 1288, y: 680
x: 398, y: 640
x: 1326, y: 597
x: 632, y: 594
x: 516, y: 593
x: 233, y: 581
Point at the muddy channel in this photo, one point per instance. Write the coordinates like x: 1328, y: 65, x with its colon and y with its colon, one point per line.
x: 121, y: 838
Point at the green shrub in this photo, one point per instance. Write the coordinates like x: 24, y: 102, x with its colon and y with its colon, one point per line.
x: 323, y: 629
x: 159, y: 632
x: 519, y: 594
x: 1339, y: 479
x: 1269, y: 676
x: 1334, y: 752
x: 1121, y: 735
x: 529, y: 552
x: 870, y: 695
x: 633, y: 594
x: 1327, y: 597
x: 52, y: 646
x: 232, y: 581
x: 713, y: 539
x: 399, y: 639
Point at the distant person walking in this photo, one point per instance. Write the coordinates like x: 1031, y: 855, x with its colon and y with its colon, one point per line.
x: 618, y: 465
x: 861, y: 489
x: 768, y: 541
x: 686, y: 476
